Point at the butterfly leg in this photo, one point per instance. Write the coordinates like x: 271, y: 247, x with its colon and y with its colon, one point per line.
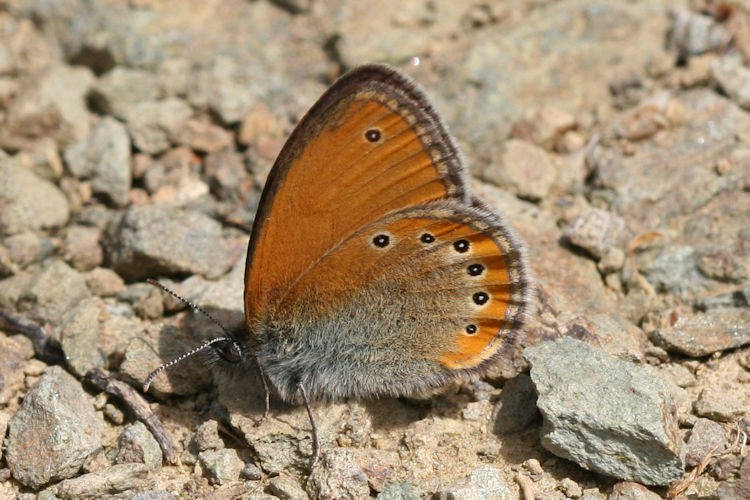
x: 267, y: 409
x: 315, y: 442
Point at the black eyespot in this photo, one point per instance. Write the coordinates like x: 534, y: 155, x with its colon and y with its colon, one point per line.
x: 475, y: 269
x: 471, y: 329
x: 461, y: 246
x: 372, y: 135
x: 480, y: 298
x: 427, y: 238
x: 381, y: 240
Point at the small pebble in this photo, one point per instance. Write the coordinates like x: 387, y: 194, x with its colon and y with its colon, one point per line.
x: 570, y: 488
x: 534, y: 467
x: 221, y: 466
x: 114, y: 414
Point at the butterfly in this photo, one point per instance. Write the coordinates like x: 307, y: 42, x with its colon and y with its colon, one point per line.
x: 371, y: 269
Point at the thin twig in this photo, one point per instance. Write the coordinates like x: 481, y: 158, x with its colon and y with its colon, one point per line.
x: 526, y: 485
x: 137, y: 404
x: 45, y: 346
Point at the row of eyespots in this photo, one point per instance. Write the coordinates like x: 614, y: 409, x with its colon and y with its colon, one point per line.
x: 461, y: 246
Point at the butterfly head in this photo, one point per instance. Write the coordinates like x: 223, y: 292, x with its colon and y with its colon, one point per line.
x: 229, y: 349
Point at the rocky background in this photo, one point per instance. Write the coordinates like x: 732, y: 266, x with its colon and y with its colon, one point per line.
x: 615, y: 136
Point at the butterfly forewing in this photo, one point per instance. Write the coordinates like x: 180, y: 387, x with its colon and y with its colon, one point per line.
x: 370, y: 146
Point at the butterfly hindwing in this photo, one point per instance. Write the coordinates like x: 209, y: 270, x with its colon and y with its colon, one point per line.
x: 417, y: 297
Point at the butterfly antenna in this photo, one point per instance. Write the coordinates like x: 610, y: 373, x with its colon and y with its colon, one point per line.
x: 203, y: 346
x: 191, y: 305
x: 163, y: 367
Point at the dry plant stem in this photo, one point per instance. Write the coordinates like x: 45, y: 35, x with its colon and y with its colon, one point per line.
x: 740, y: 439
x: 527, y: 486
x: 683, y: 484
x: 137, y: 404
x: 40, y: 336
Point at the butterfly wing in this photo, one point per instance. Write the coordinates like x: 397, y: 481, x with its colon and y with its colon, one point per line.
x: 369, y: 146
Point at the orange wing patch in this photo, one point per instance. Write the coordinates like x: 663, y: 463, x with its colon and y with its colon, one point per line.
x: 333, y: 181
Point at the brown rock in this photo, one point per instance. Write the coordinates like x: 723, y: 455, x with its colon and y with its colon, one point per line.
x: 15, y: 351
x: 631, y: 491
x: 596, y: 231
x: 205, y: 137
x: 545, y: 127
x: 81, y: 247
x: 525, y: 169
x: 104, y: 282
x: 706, y: 437
x: 718, y: 404
x: 702, y: 334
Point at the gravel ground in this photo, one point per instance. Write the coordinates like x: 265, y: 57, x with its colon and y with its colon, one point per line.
x: 136, y: 136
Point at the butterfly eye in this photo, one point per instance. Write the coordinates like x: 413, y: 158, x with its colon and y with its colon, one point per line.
x: 426, y: 238
x: 381, y: 240
x: 475, y: 269
x: 231, y: 351
x: 471, y: 329
x: 480, y: 298
x: 373, y: 135
x: 461, y: 246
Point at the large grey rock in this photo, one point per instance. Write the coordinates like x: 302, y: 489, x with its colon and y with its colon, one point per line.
x: 53, y: 432
x: 516, y: 407
x: 222, y: 466
x: 103, y: 158
x: 150, y: 241
x: 80, y: 328
x: 605, y: 414
x: 702, y: 334
x: 399, y: 491
x: 339, y: 476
